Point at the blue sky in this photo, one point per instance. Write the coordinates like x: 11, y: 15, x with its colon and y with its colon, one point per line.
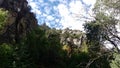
x: 62, y: 14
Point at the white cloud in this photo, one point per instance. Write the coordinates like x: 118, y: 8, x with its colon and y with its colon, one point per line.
x: 89, y: 2
x: 34, y: 7
x: 67, y: 14
x: 50, y: 18
x: 41, y: 1
x: 57, y: 20
x: 47, y: 9
x: 36, y: 11
x: 76, y: 7
x: 68, y: 20
x: 33, y: 4
x: 52, y: 0
x: 63, y: 10
x: 63, y: 1
x: 45, y: 15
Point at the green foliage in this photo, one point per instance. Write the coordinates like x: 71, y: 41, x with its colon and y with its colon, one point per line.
x: 78, y: 60
x: 97, y: 32
x: 44, y: 48
x: 84, y: 47
x: 100, y: 62
x: 93, y: 30
x: 6, y: 56
x: 3, y: 17
x: 41, y: 47
x: 115, y: 63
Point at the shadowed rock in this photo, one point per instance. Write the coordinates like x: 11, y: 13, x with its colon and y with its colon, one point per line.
x: 20, y: 20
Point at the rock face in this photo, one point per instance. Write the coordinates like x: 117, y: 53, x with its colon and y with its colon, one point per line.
x: 73, y: 38
x: 20, y: 20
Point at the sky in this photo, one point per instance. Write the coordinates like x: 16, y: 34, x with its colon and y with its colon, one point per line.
x: 61, y: 14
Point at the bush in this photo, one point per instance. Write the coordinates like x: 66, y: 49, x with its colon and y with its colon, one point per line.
x: 6, y: 56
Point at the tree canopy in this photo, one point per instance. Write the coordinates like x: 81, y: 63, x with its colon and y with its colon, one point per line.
x: 25, y: 44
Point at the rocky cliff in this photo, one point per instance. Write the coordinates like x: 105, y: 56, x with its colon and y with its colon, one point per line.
x: 73, y: 40
x: 19, y: 20
x: 75, y: 37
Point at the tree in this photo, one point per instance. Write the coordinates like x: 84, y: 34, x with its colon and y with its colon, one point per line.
x: 6, y: 56
x: 105, y: 22
x: 102, y: 29
x: 116, y: 62
x: 97, y: 32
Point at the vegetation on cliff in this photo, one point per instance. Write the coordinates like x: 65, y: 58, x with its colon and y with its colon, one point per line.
x: 25, y: 44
